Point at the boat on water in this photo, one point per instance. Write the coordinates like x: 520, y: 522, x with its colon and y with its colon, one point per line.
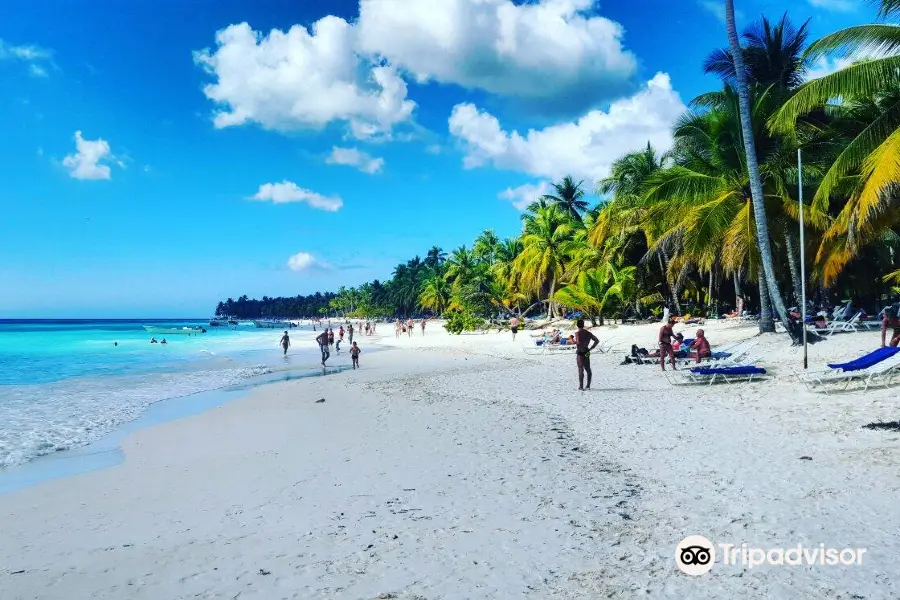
x: 174, y: 330
x: 266, y: 324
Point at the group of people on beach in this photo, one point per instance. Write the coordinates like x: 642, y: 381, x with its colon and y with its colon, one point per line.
x: 326, y: 341
x: 407, y: 326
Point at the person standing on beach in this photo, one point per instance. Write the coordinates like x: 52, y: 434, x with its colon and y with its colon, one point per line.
x: 285, y: 342
x: 397, y: 329
x: 409, y: 327
x: 350, y: 333
x: 354, y: 355
x: 890, y: 321
x: 323, y: 346
x: 423, y: 326
x: 341, y: 333
x: 514, y: 326
x: 585, y: 341
x: 330, y: 337
x: 665, y: 344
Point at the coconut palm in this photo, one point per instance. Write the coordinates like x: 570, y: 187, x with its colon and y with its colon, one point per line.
x: 866, y: 170
x: 756, y: 189
x: 460, y: 266
x: 546, y: 247
x: 435, y: 258
x: 627, y: 182
x: 568, y: 196
x: 486, y: 246
x: 435, y: 294
x: 772, y: 55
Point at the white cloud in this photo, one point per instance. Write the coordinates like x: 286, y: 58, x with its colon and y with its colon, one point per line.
x: 433, y: 149
x: 524, y: 195
x: 288, y: 191
x: 37, y: 71
x: 296, y: 80
x: 28, y: 54
x: 584, y: 148
x: 836, y: 5
x: 355, y: 158
x: 85, y: 163
x: 549, y: 51
x: 826, y: 66
x: 302, y: 261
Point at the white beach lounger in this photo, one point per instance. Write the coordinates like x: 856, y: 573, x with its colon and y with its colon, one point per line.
x: 851, y: 326
x: 881, y: 373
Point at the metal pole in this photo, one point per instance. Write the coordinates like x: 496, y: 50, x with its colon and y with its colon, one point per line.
x: 802, y: 255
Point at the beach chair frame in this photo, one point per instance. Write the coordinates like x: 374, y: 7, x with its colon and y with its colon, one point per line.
x: 879, y: 374
x: 683, y: 377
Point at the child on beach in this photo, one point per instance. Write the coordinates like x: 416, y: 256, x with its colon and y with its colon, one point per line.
x: 331, y: 337
x: 354, y: 355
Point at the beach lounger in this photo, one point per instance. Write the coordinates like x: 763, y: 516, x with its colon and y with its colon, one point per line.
x: 711, y: 374
x: 851, y: 326
x: 878, y: 367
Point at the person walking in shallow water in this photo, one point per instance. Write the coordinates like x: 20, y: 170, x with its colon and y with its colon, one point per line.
x: 354, y: 354
x: 585, y: 341
x: 285, y: 342
x: 323, y: 346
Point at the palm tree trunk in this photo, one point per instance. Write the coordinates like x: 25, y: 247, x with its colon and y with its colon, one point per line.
x: 709, y: 297
x: 550, y: 308
x: 792, y: 264
x: 766, y: 325
x: 756, y: 190
x: 673, y: 285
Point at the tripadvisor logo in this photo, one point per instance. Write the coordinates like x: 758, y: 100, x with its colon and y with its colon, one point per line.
x: 695, y: 555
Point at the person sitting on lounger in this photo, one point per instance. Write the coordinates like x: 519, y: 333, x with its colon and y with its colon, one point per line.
x: 700, y: 348
x: 890, y: 320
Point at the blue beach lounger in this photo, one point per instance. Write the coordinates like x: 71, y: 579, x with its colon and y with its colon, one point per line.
x: 711, y: 374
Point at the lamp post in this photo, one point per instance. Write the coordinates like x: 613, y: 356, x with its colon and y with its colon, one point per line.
x: 802, y: 255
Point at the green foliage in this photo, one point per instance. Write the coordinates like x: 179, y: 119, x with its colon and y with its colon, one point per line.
x: 462, y: 320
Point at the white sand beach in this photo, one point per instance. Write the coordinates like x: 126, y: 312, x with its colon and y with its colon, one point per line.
x: 459, y: 467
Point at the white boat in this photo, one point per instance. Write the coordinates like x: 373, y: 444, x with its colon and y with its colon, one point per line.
x: 266, y: 324
x: 174, y: 330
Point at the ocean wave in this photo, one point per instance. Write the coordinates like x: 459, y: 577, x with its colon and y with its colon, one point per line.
x: 44, y: 418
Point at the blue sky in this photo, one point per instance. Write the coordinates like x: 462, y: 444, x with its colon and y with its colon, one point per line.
x: 382, y: 130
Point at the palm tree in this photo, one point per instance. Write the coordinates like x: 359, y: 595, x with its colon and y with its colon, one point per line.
x: 756, y: 189
x: 486, y: 245
x: 460, y: 266
x: 866, y: 170
x: 772, y: 55
x: 435, y: 294
x: 435, y: 258
x: 627, y: 182
x: 568, y: 196
x: 546, y: 247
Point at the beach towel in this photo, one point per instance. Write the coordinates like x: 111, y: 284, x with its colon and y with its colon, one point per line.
x: 864, y: 362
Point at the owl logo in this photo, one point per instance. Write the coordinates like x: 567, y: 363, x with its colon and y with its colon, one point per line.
x: 695, y: 555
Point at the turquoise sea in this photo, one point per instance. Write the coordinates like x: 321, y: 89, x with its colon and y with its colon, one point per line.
x: 66, y: 383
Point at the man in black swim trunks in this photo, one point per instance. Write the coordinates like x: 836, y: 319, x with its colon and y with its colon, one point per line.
x: 665, y: 343
x: 583, y: 347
